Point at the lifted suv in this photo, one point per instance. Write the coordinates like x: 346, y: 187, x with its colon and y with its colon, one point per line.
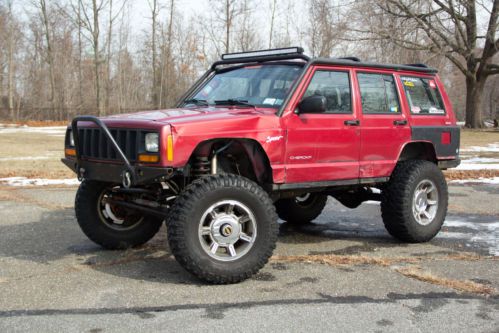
x: 265, y: 134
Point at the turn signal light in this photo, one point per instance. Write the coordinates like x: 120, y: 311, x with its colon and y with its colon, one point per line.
x: 70, y: 151
x: 146, y: 158
x: 169, y: 148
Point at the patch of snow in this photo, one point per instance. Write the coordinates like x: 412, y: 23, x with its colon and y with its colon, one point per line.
x: 485, y: 233
x: 491, y: 147
x: 481, y: 180
x: 24, y: 158
x: 43, y: 130
x: 372, y: 202
x: 481, y: 160
x: 477, y: 166
x: 23, y: 181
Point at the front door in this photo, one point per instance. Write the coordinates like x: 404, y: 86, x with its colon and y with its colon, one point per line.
x: 324, y: 146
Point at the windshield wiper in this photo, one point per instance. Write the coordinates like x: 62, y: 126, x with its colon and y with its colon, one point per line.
x: 232, y: 101
x: 196, y: 101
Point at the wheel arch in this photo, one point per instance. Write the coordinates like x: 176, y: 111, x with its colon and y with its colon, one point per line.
x: 418, y: 150
x: 259, y: 170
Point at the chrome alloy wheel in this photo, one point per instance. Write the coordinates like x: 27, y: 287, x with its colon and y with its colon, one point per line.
x: 425, y: 202
x: 115, y: 217
x: 227, y: 230
x: 302, y: 199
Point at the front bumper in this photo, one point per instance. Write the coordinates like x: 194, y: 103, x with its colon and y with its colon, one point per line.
x: 114, y: 173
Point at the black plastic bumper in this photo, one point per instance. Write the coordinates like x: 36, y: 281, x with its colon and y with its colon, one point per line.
x: 447, y: 164
x: 113, y: 173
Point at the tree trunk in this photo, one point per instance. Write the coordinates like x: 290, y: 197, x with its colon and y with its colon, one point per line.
x: 228, y: 22
x: 474, y: 93
x: 50, y: 60
x: 95, y: 40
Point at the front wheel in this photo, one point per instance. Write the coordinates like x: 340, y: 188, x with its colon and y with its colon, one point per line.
x: 222, y: 228
x: 414, y: 202
x: 108, y: 225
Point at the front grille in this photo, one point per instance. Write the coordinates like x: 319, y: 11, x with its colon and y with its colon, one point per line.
x: 94, y: 144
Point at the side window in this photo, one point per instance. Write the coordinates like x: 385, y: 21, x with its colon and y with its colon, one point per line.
x: 333, y: 85
x: 378, y: 93
x: 423, y: 95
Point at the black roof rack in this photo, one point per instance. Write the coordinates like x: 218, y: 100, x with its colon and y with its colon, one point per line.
x: 286, y: 53
x: 417, y: 65
x: 296, y: 53
x: 350, y: 58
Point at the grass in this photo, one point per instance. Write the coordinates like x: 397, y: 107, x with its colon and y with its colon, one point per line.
x: 51, y: 147
x: 471, y: 138
x: 459, y: 285
x: 339, y: 260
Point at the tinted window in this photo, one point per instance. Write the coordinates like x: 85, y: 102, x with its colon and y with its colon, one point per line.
x: 262, y: 85
x: 423, y: 95
x: 378, y: 93
x: 335, y: 86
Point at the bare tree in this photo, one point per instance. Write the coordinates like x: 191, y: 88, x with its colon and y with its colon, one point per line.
x: 451, y: 29
x: 273, y: 9
x: 42, y: 7
x: 225, y: 14
x: 326, y: 27
x: 90, y: 14
x: 11, y: 32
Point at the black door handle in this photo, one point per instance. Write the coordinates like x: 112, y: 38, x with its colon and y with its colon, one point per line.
x: 400, y: 122
x: 352, y: 122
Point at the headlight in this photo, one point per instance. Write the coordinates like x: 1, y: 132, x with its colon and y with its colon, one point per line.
x: 152, y: 142
x: 71, y: 139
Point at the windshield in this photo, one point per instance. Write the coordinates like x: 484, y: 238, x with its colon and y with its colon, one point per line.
x: 261, y: 86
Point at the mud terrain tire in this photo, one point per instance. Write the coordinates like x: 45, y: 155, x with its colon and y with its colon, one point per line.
x: 101, y: 231
x: 204, y: 210
x: 301, y: 211
x: 414, y: 202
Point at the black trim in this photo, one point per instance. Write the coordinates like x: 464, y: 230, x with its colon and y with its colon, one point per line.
x: 395, y: 67
x: 113, y: 173
x: 330, y: 183
x: 259, y: 59
x: 434, y: 135
x: 298, y: 52
x: 447, y: 164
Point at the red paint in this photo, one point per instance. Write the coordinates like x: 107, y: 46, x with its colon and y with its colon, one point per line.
x: 446, y: 138
x: 305, y: 147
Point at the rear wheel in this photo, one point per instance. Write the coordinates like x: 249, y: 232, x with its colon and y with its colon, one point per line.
x: 302, y: 209
x: 222, y: 228
x: 414, y: 202
x: 108, y: 225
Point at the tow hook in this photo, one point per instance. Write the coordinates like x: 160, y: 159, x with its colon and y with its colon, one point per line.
x: 81, y: 174
x: 126, y: 179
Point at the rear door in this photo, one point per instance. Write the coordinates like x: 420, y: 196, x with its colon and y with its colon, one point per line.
x: 324, y: 146
x: 384, y: 127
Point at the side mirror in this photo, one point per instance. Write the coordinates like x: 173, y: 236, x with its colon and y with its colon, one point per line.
x: 312, y: 104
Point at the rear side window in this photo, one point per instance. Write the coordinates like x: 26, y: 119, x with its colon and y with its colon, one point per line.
x: 378, y: 93
x: 335, y: 86
x: 423, y: 95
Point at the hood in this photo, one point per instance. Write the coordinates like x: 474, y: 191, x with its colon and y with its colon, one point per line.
x: 193, y: 114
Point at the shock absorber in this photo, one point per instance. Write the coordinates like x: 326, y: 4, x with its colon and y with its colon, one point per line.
x: 201, y: 166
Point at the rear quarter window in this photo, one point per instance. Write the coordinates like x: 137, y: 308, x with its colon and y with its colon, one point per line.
x: 423, y: 96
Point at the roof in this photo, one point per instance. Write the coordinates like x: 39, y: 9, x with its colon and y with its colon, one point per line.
x: 296, y: 53
x: 396, y: 67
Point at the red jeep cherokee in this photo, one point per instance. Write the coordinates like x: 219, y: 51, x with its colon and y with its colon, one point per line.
x: 265, y: 134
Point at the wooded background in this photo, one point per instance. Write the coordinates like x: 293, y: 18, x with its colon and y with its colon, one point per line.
x: 60, y: 58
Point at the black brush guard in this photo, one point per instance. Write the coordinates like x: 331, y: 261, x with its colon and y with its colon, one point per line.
x: 127, y: 174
